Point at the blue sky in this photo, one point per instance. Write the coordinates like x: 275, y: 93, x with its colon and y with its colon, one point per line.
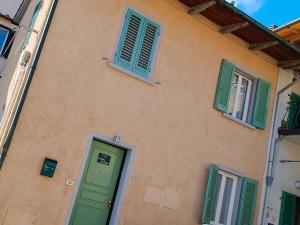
x: 270, y: 12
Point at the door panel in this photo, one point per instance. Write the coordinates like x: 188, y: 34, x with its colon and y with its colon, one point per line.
x: 98, y: 184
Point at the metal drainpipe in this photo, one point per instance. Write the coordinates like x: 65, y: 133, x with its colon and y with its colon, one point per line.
x: 28, y: 81
x: 273, y: 149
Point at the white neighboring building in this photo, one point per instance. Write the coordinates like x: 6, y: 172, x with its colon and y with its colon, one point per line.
x: 13, y: 9
x: 282, y: 202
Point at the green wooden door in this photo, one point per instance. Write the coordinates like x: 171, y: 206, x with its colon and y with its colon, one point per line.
x: 98, y: 184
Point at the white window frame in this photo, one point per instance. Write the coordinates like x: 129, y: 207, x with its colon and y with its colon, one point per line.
x: 220, y: 198
x: 2, y: 47
x: 237, y: 94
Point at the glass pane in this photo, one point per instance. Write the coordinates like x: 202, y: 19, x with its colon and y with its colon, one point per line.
x: 242, y: 98
x: 226, y: 200
x: 216, y: 197
x: 233, y: 93
x: 3, y: 36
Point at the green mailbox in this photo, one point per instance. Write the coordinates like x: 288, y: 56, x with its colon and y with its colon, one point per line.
x: 48, y: 167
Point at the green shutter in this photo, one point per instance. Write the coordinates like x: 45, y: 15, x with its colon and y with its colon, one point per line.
x: 288, y: 209
x: 247, y: 202
x: 147, y: 45
x: 261, y: 104
x: 32, y: 23
x: 209, y: 195
x: 224, y: 86
x: 294, y: 111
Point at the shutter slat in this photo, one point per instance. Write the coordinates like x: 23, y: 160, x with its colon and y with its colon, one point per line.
x: 209, y: 195
x: 261, y: 104
x: 224, y: 86
x: 247, y: 202
x: 288, y: 209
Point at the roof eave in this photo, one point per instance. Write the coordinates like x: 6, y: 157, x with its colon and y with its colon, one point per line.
x: 289, y: 24
x: 226, y: 15
x: 259, y: 25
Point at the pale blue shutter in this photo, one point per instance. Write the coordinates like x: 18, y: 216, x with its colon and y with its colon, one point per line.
x: 128, y: 43
x: 32, y: 23
x: 147, y: 45
x: 137, y: 44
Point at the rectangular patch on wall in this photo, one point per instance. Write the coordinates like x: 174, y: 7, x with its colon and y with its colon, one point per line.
x: 153, y: 195
x: 166, y: 198
x: 103, y: 159
x: 171, y: 199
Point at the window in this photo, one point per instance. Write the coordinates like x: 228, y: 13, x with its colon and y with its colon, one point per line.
x: 6, y: 40
x: 4, y: 33
x: 230, y: 199
x: 242, y: 96
x: 224, y: 198
x: 137, y: 45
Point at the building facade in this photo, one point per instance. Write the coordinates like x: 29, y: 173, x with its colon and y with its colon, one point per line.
x: 141, y: 112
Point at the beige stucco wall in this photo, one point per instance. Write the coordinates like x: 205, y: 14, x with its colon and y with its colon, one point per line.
x: 173, y: 125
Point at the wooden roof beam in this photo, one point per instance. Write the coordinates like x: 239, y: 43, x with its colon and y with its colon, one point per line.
x: 263, y: 45
x: 201, y: 7
x: 288, y: 63
x: 234, y: 27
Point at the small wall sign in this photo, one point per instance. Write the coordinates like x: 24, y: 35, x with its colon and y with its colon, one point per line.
x: 103, y: 159
x: 69, y: 182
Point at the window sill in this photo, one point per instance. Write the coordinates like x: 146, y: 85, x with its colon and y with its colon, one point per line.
x: 239, y: 121
x: 130, y: 73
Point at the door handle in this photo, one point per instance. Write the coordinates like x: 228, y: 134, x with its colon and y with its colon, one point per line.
x: 108, y: 204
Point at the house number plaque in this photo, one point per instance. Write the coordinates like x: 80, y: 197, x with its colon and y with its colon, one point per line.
x: 103, y: 159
